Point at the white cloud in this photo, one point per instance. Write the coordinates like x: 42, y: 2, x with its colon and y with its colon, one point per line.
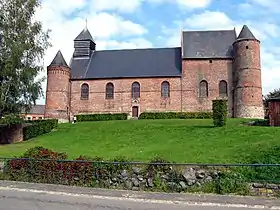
x: 127, y: 6
x: 191, y: 4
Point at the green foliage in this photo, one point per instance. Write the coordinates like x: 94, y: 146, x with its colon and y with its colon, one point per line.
x: 220, y: 112
x: 11, y: 119
x: 47, y: 166
x: 39, y: 127
x: 175, y: 115
x: 22, y: 44
x: 101, y: 117
x: 267, y: 174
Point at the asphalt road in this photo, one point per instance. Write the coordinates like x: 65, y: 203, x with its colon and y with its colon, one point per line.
x: 46, y: 197
x: 13, y: 200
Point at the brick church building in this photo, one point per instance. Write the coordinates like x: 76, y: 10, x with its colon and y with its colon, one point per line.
x: 208, y: 65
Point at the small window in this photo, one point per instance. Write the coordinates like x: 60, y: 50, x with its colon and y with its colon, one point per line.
x: 135, y: 92
x: 223, y: 92
x: 84, y: 91
x: 110, y: 91
x: 247, y: 47
x: 203, y: 89
x: 210, y: 61
x: 165, y: 89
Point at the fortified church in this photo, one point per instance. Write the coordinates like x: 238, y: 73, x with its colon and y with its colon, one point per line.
x: 208, y: 65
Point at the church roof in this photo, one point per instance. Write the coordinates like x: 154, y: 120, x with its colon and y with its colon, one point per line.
x: 84, y: 35
x: 59, y: 60
x: 246, y: 33
x: 208, y: 44
x: 154, y: 62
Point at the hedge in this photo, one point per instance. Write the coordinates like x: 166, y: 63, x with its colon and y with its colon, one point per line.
x: 220, y: 112
x: 39, y: 127
x: 175, y: 115
x: 101, y: 117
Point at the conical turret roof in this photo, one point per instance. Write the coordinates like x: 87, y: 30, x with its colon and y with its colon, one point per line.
x: 84, y: 35
x: 59, y: 60
x: 246, y: 33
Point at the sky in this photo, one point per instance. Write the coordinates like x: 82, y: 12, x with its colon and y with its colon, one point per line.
x: 131, y: 24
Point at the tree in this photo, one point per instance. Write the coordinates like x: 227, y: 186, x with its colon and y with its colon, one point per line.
x: 22, y: 46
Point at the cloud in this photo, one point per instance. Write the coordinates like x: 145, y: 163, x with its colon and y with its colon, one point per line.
x: 126, y: 6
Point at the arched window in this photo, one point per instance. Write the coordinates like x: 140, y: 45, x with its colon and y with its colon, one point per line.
x: 109, y: 91
x: 203, y: 89
x: 135, y: 92
x: 165, y: 89
x: 84, y: 91
x: 223, y: 88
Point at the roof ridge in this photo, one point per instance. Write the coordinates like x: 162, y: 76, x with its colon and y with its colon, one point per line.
x: 150, y: 48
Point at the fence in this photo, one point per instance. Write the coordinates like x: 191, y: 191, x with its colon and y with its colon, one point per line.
x: 242, y: 179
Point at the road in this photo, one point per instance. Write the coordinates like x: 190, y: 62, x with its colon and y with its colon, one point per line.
x: 31, y: 198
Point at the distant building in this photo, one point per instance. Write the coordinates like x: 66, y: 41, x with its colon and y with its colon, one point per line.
x: 36, y: 113
x: 208, y: 65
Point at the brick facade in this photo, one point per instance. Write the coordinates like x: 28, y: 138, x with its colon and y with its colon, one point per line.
x: 200, y: 81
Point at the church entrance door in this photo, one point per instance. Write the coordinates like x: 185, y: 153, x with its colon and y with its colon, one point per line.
x: 135, y: 111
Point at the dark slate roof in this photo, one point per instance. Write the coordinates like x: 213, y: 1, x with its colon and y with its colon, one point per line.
x: 84, y: 35
x: 37, y: 109
x: 59, y: 60
x: 208, y: 44
x: 154, y: 62
x: 246, y: 33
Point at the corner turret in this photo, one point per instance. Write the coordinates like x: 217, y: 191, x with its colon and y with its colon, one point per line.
x: 247, y: 83
x: 84, y: 44
x: 57, y: 93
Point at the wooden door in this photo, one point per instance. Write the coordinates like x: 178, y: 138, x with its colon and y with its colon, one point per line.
x: 135, y: 111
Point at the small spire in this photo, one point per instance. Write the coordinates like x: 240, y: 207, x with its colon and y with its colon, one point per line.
x: 59, y: 60
x: 246, y: 33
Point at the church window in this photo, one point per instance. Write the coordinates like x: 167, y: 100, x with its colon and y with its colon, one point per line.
x: 109, y: 91
x: 223, y: 92
x: 203, y: 89
x: 84, y: 91
x: 165, y: 89
x: 135, y: 90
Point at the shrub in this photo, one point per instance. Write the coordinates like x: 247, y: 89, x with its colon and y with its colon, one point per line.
x: 39, y: 127
x: 219, y: 108
x: 175, y: 115
x: 101, y: 117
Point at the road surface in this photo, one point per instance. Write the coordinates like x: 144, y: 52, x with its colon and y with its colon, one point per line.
x: 40, y: 197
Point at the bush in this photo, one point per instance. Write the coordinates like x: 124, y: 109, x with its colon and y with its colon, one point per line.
x: 220, y: 112
x: 175, y: 115
x: 39, y: 127
x: 101, y: 117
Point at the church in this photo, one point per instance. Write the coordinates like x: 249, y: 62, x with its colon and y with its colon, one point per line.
x: 207, y: 65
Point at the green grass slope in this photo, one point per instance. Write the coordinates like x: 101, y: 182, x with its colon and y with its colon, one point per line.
x: 189, y: 141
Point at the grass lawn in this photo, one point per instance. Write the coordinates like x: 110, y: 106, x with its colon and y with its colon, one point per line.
x: 192, y: 141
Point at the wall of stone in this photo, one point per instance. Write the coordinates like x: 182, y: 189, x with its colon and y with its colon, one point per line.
x: 11, y: 134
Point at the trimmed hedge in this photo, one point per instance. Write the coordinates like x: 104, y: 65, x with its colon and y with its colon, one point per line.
x: 101, y: 117
x: 220, y: 112
x: 39, y: 127
x: 175, y: 115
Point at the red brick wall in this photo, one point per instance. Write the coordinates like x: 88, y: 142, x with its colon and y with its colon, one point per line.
x: 150, y: 96
x: 247, y: 77
x: 194, y: 71
x: 57, y: 93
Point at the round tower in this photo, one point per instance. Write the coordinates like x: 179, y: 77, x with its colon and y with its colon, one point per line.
x: 248, y: 101
x: 57, y: 93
